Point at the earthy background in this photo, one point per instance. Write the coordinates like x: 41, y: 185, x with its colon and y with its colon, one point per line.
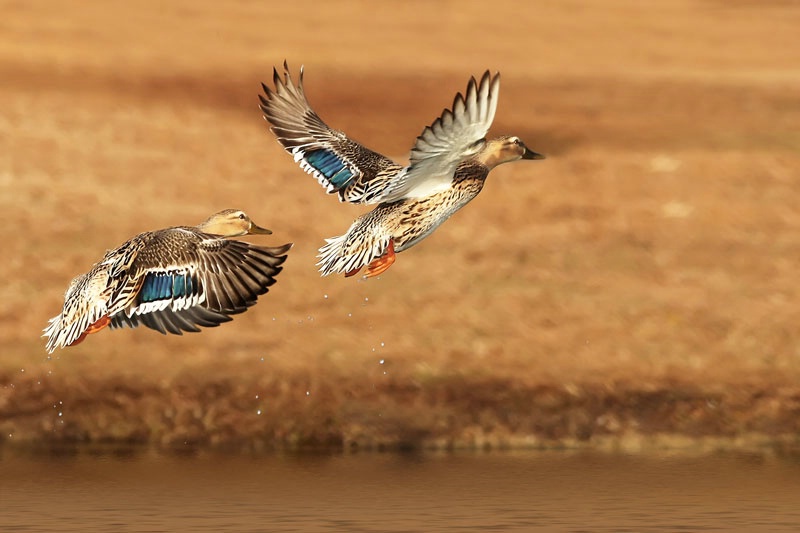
x: 638, y: 288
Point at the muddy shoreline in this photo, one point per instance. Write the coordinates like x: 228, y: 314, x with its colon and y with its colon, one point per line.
x: 446, y: 413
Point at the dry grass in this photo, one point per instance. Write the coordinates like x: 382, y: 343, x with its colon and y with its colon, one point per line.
x: 641, y: 281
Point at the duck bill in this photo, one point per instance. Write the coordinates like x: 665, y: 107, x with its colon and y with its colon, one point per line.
x: 258, y: 230
x: 530, y: 154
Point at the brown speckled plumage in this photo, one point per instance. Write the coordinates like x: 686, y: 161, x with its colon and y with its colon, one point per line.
x: 406, y: 222
x: 448, y: 166
x: 171, y: 280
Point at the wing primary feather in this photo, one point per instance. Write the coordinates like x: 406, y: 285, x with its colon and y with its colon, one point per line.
x: 450, y: 139
x: 180, y: 320
x: 168, y: 320
x: 206, y: 317
x: 153, y: 321
x: 245, y: 296
x: 341, y: 165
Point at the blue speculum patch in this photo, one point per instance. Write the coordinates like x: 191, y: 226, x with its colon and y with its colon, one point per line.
x: 163, y: 286
x: 341, y: 178
x: 178, y: 286
x: 329, y: 165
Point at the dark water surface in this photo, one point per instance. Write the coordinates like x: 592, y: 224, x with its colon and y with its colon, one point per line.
x: 531, y: 491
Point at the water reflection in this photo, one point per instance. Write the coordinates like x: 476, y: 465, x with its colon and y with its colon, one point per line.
x: 129, y: 490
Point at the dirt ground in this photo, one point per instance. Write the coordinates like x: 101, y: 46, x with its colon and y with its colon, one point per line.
x: 637, y: 288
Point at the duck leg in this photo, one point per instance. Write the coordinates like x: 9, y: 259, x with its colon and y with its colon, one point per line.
x: 93, y: 328
x: 379, y: 265
x: 352, y: 272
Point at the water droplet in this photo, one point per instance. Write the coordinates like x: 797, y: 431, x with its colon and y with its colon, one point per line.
x: 59, y: 413
x: 262, y: 359
x: 256, y: 396
x: 325, y: 296
x: 366, y: 299
x: 349, y: 315
x: 308, y: 393
x: 382, y: 361
x: 383, y: 344
x: 22, y: 370
x: 258, y: 412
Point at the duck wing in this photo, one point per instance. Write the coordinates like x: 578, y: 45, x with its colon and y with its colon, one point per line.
x: 341, y: 165
x: 456, y: 135
x: 183, y: 279
x: 170, y: 321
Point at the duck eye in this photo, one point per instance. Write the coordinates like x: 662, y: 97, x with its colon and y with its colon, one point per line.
x: 241, y: 216
x: 516, y: 141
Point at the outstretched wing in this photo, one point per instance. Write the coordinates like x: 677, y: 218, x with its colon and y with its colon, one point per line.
x: 340, y: 164
x: 456, y: 135
x: 171, y: 321
x: 200, y: 282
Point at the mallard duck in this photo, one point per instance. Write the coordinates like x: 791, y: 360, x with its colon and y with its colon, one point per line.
x: 448, y: 166
x: 171, y: 280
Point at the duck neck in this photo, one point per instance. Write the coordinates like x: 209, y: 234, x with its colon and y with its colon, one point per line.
x: 471, y: 169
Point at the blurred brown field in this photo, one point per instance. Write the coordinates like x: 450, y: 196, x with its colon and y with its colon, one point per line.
x: 639, y: 285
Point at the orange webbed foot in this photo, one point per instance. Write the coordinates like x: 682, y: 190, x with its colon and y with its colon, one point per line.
x: 100, y: 324
x: 352, y: 272
x: 79, y: 339
x: 381, y: 264
x: 93, y: 328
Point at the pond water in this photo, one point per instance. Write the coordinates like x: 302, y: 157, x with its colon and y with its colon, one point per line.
x: 366, y: 492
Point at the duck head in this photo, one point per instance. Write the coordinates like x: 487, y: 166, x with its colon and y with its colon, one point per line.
x: 232, y: 223
x: 505, y: 150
